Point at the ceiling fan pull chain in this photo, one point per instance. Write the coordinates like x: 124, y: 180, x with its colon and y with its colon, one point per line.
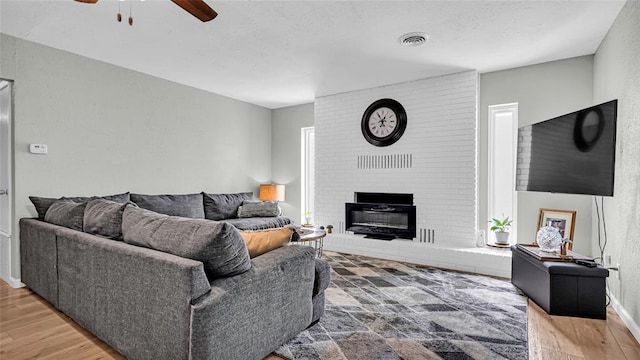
x: 130, y: 13
x: 119, y: 16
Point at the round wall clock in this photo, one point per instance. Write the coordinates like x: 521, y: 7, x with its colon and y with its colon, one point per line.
x: 384, y: 122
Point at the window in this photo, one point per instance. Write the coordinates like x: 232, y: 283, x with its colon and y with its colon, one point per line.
x: 503, y: 140
x: 308, y: 175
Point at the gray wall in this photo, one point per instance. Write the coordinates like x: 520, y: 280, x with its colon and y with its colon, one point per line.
x: 542, y: 92
x: 286, y: 152
x: 617, y: 76
x: 111, y: 130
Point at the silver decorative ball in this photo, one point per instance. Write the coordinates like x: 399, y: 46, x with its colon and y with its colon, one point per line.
x: 549, y: 239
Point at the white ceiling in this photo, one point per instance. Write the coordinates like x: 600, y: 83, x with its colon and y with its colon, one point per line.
x: 280, y: 53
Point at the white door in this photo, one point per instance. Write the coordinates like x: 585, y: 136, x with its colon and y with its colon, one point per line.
x: 5, y: 179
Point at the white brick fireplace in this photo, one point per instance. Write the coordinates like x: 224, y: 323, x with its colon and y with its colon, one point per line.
x: 436, y: 160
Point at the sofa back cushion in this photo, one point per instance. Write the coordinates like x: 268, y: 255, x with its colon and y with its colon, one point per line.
x: 119, y: 198
x: 42, y: 204
x: 223, y: 206
x: 188, y: 205
x: 218, y: 245
x: 104, y: 218
x: 66, y: 213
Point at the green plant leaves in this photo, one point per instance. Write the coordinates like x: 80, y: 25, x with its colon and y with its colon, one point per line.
x: 500, y: 225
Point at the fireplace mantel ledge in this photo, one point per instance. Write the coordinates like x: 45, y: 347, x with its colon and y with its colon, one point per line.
x: 480, y: 260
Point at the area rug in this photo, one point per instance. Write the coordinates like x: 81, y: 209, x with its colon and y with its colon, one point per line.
x: 380, y: 309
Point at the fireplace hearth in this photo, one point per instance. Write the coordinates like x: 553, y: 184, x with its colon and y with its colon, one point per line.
x: 383, y: 216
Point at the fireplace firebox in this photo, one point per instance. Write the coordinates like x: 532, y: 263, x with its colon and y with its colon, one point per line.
x: 382, y: 216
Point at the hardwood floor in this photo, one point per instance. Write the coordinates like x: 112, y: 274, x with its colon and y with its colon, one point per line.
x: 562, y: 337
x: 30, y: 328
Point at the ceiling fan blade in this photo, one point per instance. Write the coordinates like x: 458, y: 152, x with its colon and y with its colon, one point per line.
x: 88, y: 1
x: 197, y: 8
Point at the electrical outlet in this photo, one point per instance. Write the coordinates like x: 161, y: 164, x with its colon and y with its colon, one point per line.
x: 607, y: 260
x: 618, y: 272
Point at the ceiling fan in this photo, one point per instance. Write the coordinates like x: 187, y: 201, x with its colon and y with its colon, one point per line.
x: 197, y: 8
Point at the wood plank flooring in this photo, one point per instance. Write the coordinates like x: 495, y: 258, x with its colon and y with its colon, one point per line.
x: 30, y: 328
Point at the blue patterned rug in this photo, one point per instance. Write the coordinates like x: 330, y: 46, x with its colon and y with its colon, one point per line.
x: 380, y: 309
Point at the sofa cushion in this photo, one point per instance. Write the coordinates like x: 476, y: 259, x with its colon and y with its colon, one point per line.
x: 66, y: 213
x: 188, y: 205
x: 104, y: 218
x: 251, y: 209
x: 42, y: 204
x: 259, y: 223
x: 218, y: 245
x: 263, y: 241
x: 119, y: 198
x: 223, y: 206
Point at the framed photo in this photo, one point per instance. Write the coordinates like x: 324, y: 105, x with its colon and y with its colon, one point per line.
x: 564, y: 220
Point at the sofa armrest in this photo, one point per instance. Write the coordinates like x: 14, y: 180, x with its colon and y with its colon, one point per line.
x: 247, y: 316
x: 323, y: 277
x: 39, y: 258
x: 138, y: 300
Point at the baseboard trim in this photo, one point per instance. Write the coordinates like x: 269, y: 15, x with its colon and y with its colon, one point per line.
x: 626, y: 317
x: 14, y: 283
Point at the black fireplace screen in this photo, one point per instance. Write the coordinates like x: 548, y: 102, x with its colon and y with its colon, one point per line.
x: 381, y: 221
x: 380, y: 218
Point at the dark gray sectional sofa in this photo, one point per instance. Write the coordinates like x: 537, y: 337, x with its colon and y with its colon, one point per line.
x: 151, y: 304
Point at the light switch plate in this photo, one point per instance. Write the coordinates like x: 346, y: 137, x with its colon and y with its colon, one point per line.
x: 38, y: 148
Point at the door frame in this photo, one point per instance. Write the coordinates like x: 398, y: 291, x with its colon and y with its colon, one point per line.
x: 6, y: 238
x: 9, y: 149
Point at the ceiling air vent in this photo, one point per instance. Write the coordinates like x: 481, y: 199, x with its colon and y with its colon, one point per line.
x: 413, y: 39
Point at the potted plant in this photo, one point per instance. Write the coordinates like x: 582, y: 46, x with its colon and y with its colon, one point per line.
x: 329, y: 229
x: 307, y: 218
x: 501, y: 229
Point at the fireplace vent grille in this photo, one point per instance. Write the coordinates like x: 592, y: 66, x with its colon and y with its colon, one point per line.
x: 427, y: 236
x: 388, y: 161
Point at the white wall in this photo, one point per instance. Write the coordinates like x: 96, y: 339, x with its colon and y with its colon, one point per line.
x: 440, y: 138
x: 542, y: 92
x: 617, y: 75
x: 111, y: 130
x: 286, y: 124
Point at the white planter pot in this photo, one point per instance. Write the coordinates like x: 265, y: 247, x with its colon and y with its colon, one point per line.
x: 502, y: 238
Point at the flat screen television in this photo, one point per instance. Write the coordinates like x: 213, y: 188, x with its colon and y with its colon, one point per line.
x: 570, y: 154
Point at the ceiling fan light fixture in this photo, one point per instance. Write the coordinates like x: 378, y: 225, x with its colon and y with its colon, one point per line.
x: 413, y: 39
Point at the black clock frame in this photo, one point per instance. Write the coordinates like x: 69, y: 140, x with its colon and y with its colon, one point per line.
x: 397, y: 133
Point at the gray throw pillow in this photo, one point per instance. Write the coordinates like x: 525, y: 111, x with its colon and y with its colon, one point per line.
x: 104, y: 218
x: 66, y: 213
x: 188, y: 205
x: 259, y: 209
x: 223, y: 206
x: 42, y: 204
x: 217, y: 244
